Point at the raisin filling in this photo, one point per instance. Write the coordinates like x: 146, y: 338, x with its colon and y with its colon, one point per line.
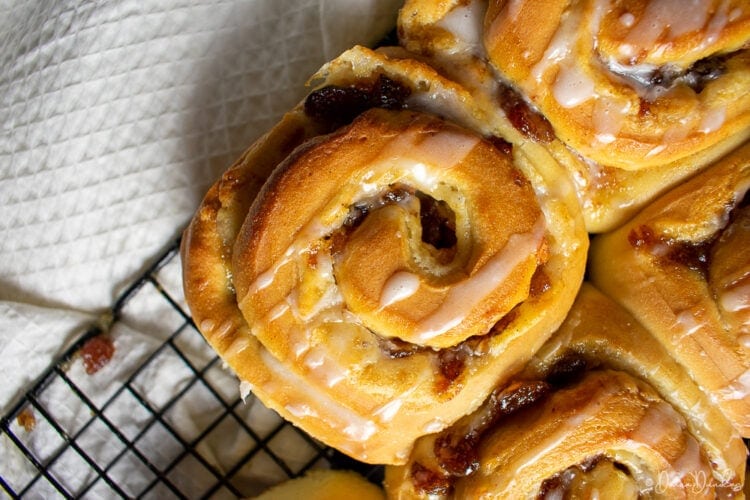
x: 523, y: 117
x: 696, y: 76
x: 436, y: 218
x: 456, y: 450
x: 655, y: 82
x: 438, y: 222
x: 694, y: 255
x: 336, y: 105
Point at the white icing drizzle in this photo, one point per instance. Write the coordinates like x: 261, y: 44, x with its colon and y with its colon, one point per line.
x: 245, y: 389
x: 736, y: 299
x: 627, y: 20
x: 225, y: 328
x: 464, y: 296
x: 514, y: 8
x: 239, y: 344
x: 667, y: 18
x: 300, y: 343
x: 412, y: 156
x: 301, y: 410
x: 659, y: 422
x: 739, y: 388
x: 690, y: 461
x: 559, y: 47
x: 687, y: 323
x: 446, y: 149
x: 572, y: 86
x: 277, y: 311
x: 318, y: 361
x: 717, y: 23
x: 608, y: 118
x: 361, y: 432
x: 435, y: 425
x: 389, y: 410
x: 465, y: 23
x: 400, y: 285
x: 656, y: 150
x: 336, y: 416
x: 312, y: 231
x: 712, y: 120
x: 207, y: 325
x: 637, y: 76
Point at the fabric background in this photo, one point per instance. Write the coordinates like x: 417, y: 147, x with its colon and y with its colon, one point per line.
x: 117, y: 115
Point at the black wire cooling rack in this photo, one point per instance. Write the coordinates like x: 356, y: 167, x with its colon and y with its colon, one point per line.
x: 110, y: 434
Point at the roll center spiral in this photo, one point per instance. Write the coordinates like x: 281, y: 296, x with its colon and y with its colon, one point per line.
x: 423, y: 230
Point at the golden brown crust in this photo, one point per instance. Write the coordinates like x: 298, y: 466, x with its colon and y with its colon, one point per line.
x: 479, y: 186
x: 334, y: 377
x: 575, y: 67
x: 654, y: 266
x: 614, y: 174
x: 608, y: 410
x: 325, y: 484
x: 604, y: 335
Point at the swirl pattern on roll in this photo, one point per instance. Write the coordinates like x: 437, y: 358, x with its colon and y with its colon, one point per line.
x: 395, y: 265
x: 601, y: 411
x: 631, y: 97
x: 630, y: 84
x: 682, y: 267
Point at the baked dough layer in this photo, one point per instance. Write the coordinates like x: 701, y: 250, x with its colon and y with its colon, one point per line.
x: 273, y: 260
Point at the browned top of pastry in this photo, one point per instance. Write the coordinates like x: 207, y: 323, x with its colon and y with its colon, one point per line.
x: 630, y: 84
x: 397, y: 283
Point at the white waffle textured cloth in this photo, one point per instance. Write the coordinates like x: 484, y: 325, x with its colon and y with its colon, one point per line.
x: 116, y: 116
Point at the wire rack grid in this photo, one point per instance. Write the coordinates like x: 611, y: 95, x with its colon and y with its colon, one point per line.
x: 114, y: 431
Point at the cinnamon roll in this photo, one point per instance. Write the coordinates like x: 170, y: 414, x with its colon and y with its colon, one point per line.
x: 682, y: 267
x: 324, y: 484
x: 601, y: 411
x: 632, y: 97
x: 399, y: 261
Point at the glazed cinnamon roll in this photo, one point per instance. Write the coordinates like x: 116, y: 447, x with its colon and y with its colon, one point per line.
x: 632, y: 97
x: 324, y: 484
x: 682, y: 267
x: 399, y: 261
x: 601, y: 411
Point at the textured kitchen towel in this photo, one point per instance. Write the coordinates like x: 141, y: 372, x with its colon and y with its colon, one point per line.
x: 116, y: 117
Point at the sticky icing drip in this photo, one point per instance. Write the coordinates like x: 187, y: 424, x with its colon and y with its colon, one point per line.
x: 389, y: 410
x: 572, y: 86
x: 344, y: 419
x: 609, y: 116
x: 320, y: 363
x: 687, y: 323
x: 409, y: 157
x: 659, y: 422
x: 464, y: 296
x: 712, y: 120
x: 736, y: 299
x: 245, y: 389
x: 400, y: 286
x: 737, y: 389
x: 666, y: 20
x: 465, y: 23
